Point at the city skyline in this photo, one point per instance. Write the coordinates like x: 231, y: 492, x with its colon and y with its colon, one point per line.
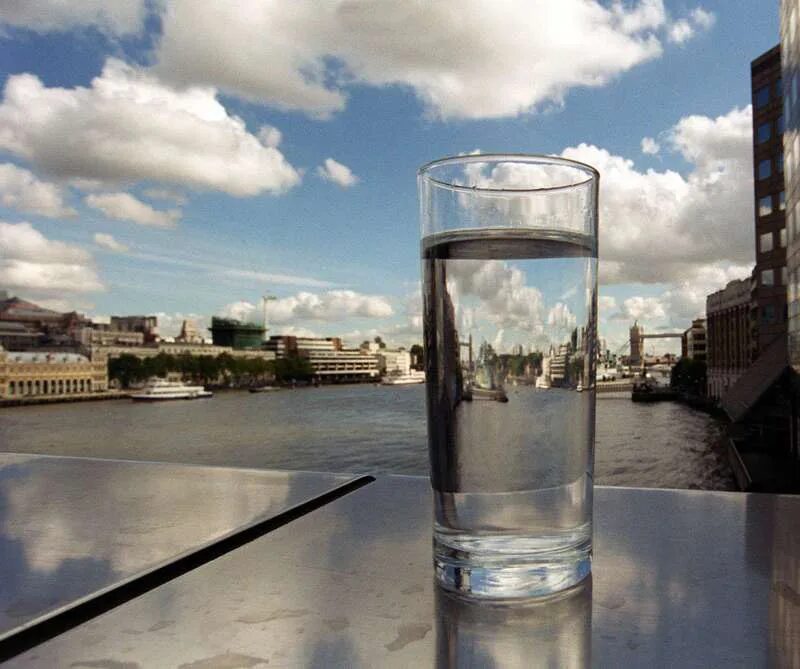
x: 135, y: 181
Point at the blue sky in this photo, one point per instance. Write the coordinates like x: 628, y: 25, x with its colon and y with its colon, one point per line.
x: 380, y: 91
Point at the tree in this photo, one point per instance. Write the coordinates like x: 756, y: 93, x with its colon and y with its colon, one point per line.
x: 293, y: 368
x: 126, y: 369
x: 689, y: 376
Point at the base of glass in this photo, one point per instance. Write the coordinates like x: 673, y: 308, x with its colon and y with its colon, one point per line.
x: 485, y: 574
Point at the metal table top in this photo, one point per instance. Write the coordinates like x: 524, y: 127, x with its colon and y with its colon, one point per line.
x: 681, y: 578
x: 71, y: 528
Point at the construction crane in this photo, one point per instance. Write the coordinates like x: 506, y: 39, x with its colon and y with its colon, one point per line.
x: 265, y: 299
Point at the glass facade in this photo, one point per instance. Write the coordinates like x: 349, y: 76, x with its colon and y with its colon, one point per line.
x: 765, y: 169
x: 762, y: 97
x: 790, y: 72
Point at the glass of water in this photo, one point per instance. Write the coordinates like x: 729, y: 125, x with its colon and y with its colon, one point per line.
x: 509, y: 263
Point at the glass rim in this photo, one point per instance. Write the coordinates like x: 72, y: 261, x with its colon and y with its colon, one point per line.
x: 424, y: 172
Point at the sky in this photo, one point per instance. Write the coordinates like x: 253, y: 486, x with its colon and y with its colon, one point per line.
x: 184, y: 158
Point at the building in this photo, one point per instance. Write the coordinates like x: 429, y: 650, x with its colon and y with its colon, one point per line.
x: 693, y: 341
x: 41, y: 374
x: 17, y: 337
x: 189, y: 333
x: 728, y: 332
x: 769, y: 297
x: 390, y: 361
x: 51, y: 329
x: 332, y: 363
x: 179, y: 348
x: 102, y: 335
x: 235, y: 333
x: 147, y: 325
x: 558, y: 365
x: 637, y: 343
x: 790, y: 77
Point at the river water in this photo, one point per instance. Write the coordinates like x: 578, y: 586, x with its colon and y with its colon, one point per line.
x: 376, y: 429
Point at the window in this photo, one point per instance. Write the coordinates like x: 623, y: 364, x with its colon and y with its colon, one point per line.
x: 765, y: 169
x: 779, y: 124
x: 765, y: 206
x: 779, y: 162
x: 768, y: 313
x: 763, y: 133
x: 784, y: 275
x: 781, y: 200
x: 765, y: 242
x: 767, y: 277
x: 762, y: 97
x: 779, y: 87
x: 783, y: 238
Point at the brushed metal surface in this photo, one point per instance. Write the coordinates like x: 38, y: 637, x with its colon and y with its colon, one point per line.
x: 73, y: 527
x: 681, y: 578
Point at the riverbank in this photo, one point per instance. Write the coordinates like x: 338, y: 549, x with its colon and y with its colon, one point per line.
x: 65, y: 399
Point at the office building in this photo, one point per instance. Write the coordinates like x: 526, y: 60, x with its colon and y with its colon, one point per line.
x: 727, y: 336
x: 42, y: 374
x: 235, y: 333
x: 790, y: 54
x: 147, y: 325
x: 770, y: 274
x: 693, y: 341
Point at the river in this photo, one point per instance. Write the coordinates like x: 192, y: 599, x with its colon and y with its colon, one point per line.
x: 351, y: 429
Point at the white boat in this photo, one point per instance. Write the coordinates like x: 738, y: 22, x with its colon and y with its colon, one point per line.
x: 160, y: 389
x: 414, y: 376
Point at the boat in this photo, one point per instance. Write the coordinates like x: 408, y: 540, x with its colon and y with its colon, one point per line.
x: 263, y: 389
x: 414, y: 376
x: 160, y: 389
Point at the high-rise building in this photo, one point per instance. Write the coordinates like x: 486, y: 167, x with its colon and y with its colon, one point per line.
x: 693, y: 341
x: 235, y: 333
x: 770, y: 273
x: 790, y: 77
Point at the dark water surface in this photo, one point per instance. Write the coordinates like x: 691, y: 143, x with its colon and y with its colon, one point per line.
x: 379, y: 429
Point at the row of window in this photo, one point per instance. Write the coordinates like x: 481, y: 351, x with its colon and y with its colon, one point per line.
x: 765, y: 167
x: 766, y: 205
x: 764, y: 131
x: 766, y: 241
x: 48, y: 387
x: 763, y: 95
x: 769, y: 277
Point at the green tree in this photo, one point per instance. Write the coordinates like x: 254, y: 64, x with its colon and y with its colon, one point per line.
x: 417, y: 357
x: 126, y: 369
x: 293, y: 368
x: 689, y: 376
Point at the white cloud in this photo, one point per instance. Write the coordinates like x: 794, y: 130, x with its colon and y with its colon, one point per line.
x: 560, y: 317
x: 337, y: 173
x: 270, y: 135
x: 606, y: 305
x: 109, y: 243
x: 702, y: 18
x: 650, y: 146
x: 302, y: 55
x: 333, y: 305
x: 166, y: 194
x: 279, y: 279
x: 641, y: 308
x: 20, y: 189
x: 125, y: 207
x: 127, y: 126
x: 684, y: 29
x: 241, y: 310
x: 118, y: 17
x: 30, y: 262
x: 660, y: 227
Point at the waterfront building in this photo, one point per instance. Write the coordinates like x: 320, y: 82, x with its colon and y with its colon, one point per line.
x: 189, y: 333
x: 728, y: 336
x: 390, y: 361
x: 179, y: 348
x: 53, y: 329
x: 17, y: 337
x: 693, y: 341
x: 769, y: 296
x: 288, y: 345
x: 102, y: 335
x: 147, y: 325
x: 637, y: 343
x: 235, y: 333
x: 43, y: 374
x: 558, y: 365
x: 342, y: 366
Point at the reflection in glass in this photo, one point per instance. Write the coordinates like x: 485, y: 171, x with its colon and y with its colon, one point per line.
x: 555, y: 633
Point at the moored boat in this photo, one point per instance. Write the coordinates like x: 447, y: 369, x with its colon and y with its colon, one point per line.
x: 160, y: 389
x: 414, y: 376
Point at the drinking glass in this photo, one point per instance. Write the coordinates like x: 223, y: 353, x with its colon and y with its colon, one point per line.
x: 509, y: 264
